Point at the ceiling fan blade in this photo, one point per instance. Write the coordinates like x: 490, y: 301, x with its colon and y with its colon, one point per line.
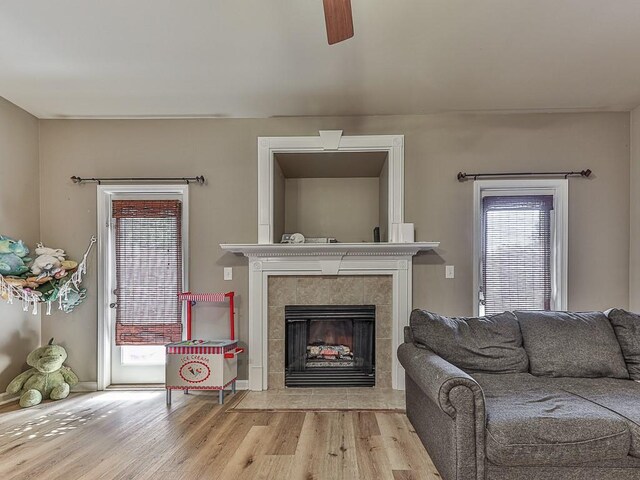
x: 339, y: 20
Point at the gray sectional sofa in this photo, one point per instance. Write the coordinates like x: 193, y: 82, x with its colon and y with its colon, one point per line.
x: 526, y: 395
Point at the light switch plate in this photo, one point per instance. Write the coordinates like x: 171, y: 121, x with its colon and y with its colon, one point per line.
x: 449, y: 271
x: 228, y: 273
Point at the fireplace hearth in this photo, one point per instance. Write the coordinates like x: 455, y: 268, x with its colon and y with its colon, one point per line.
x: 330, y: 345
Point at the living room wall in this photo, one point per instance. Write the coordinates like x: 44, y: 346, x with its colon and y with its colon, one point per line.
x: 20, y: 219
x: 634, y: 247
x: 436, y: 148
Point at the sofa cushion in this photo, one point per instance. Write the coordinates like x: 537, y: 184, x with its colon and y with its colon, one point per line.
x: 484, y: 344
x: 619, y: 396
x: 530, y: 423
x: 567, y: 344
x: 627, y: 328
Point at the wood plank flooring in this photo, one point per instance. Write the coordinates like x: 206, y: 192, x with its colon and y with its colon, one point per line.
x: 134, y: 435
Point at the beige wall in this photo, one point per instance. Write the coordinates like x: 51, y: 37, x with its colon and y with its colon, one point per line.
x: 278, y: 202
x: 634, y: 237
x: 436, y: 148
x: 20, y: 219
x: 343, y: 208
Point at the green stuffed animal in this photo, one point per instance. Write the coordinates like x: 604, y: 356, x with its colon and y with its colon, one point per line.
x: 48, y: 378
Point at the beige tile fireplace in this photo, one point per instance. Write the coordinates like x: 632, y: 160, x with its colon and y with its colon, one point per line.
x: 389, y: 263
x: 329, y: 290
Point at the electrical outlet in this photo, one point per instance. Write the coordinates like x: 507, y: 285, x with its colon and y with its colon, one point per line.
x: 228, y: 273
x: 449, y: 271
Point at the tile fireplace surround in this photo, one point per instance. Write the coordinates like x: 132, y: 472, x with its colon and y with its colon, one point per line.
x: 355, y: 273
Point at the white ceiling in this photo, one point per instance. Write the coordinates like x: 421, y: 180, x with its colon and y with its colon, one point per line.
x: 258, y: 58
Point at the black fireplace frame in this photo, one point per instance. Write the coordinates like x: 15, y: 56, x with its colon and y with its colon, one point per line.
x: 297, y: 320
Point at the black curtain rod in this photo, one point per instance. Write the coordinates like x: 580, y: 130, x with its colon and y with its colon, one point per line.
x: 583, y: 173
x: 199, y: 180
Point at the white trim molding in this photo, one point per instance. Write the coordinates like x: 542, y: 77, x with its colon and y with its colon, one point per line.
x: 329, y: 140
x: 8, y: 398
x: 105, y: 193
x: 559, y: 229
x: 323, y: 259
x: 85, y: 387
x: 77, y: 388
x: 327, y: 249
x: 242, y: 384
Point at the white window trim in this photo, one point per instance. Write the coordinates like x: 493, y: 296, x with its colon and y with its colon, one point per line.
x: 560, y: 231
x: 105, y: 194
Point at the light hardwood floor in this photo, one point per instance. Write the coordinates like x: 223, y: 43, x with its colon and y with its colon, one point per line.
x: 133, y: 435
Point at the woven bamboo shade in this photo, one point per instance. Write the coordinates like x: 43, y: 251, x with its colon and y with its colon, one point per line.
x: 148, y: 240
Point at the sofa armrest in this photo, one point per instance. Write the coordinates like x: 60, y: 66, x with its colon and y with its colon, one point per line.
x: 447, y: 408
x: 439, y: 379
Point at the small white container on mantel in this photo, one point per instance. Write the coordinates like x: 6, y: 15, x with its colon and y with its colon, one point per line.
x: 404, y: 232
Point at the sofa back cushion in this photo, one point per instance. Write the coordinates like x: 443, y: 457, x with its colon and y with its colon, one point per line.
x: 567, y: 344
x: 474, y: 344
x: 627, y: 328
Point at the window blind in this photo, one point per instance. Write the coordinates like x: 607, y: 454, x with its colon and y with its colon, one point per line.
x: 516, y: 253
x: 148, y: 246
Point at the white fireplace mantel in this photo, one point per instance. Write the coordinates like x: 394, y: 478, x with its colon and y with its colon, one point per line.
x: 327, y: 249
x: 393, y: 259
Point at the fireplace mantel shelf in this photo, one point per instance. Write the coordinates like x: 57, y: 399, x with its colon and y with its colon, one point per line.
x: 266, y: 250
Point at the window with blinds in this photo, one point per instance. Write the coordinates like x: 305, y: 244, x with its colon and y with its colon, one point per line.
x: 516, y: 253
x: 148, y: 257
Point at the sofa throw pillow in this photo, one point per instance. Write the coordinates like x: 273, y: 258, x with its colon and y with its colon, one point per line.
x: 627, y: 328
x: 474, y: 344
x: 568, y: 344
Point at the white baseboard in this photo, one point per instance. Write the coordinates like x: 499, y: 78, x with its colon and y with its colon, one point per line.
x: 85, y: 387
x: 8, y: 398
x: 93, y: 387
x: 80, y: 387
x: 242, y: 384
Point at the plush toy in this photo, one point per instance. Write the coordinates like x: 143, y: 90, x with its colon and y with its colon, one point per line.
x: 11, y: 264
x: 17, y: 247
x: 73, y: 299
x: 49, y: 262
x: 46, y: 265
x: 48, y: 378
x: 53, y: 252
x: 13, y: 256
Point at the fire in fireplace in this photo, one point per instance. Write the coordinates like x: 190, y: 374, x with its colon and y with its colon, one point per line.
x: 330, y: 345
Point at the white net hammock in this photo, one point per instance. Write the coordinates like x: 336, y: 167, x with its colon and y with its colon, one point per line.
x: 31, y: 299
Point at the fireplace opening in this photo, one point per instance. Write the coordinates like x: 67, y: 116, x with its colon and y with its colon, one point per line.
x: 330, y: 346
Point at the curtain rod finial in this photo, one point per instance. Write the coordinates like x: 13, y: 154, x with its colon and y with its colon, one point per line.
x: 461, y: 176
x: 586, y: 173
x: 75, y: 179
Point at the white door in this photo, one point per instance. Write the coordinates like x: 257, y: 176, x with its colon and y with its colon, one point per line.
x: 145, y: 298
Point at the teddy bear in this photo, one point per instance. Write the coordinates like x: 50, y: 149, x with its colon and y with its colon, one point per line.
x: 48, y: 262
x: 49, y: 377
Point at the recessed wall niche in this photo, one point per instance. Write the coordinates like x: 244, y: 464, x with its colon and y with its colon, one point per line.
x: 343, y: 195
